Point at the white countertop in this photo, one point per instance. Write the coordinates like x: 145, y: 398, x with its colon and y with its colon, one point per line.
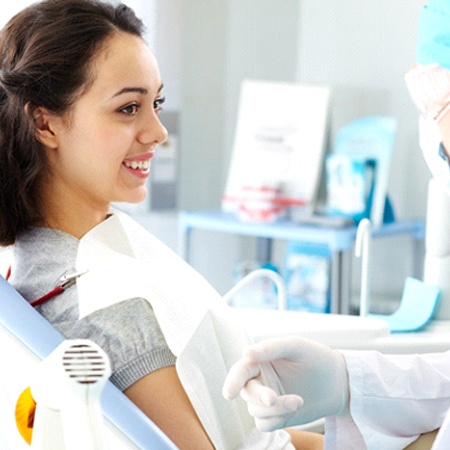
x: 344, y: 332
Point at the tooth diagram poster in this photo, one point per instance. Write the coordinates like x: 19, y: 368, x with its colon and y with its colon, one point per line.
x: 279, y: 141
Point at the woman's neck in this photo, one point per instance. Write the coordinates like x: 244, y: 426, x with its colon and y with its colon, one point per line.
x: 75, y: 227
x: 74, y: 218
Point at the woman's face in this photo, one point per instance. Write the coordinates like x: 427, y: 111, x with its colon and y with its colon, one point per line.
x: 104, y: 145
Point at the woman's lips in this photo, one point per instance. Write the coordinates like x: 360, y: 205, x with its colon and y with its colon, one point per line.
x: 139, y: 165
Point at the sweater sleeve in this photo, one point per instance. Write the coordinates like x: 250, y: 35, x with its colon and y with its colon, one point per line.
x: 130, y: 335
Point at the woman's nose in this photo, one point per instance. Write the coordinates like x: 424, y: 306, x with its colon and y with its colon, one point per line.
x: 153, y: 132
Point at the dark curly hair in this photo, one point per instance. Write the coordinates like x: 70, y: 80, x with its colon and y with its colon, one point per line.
x: 46, y: 52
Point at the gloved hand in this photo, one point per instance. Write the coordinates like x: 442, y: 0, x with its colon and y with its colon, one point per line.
x: 289, y: 381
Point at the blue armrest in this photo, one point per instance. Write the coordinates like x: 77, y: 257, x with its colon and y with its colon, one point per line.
x: 17, y: 316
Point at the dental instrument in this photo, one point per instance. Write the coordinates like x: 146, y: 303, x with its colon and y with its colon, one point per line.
x: 65, y: 282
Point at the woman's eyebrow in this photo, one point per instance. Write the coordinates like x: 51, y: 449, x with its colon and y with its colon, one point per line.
x: 126, y: 90
x: 139, y: 90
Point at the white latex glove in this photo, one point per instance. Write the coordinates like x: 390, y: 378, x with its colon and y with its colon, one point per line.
x: 289, y: 381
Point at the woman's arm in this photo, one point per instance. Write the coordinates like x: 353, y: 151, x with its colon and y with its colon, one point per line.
x: 306, y: 440
x: 162, y: 398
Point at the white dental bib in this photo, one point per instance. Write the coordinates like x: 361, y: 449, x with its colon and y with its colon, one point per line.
x: 124, y: 261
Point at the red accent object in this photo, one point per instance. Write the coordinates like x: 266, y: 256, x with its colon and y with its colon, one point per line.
x: 53, y: 293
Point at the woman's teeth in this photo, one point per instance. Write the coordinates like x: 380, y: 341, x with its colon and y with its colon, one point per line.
x: 138, y: 165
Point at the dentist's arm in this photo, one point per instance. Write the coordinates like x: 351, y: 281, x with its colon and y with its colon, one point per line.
x: 311, y: 382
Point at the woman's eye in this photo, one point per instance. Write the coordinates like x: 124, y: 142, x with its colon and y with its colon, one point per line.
x: 157, y: 105
x: 130, y: 110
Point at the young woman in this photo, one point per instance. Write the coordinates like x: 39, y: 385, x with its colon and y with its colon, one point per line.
x: 80, y: 94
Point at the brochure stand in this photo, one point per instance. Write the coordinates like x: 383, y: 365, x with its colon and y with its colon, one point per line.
x: 358, y: 169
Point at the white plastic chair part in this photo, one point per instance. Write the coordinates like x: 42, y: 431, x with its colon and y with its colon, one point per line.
x: 272, y: 275
x: 362, y: 250
x: 69, y: 382
x: 28, y: 329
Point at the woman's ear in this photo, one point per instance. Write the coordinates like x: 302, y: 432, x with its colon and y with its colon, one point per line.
x: 44, y: 125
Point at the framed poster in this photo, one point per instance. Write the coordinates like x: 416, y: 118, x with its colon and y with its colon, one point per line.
x: 279, y: 145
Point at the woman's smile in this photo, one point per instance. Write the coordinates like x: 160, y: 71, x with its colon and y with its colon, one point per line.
x: 139, y: 166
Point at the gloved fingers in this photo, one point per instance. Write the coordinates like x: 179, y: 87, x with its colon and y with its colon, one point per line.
x: 282, y: 408
x: 268, y: 404
x: 273, y: 423
x: 238, y: 376
x: 291, y: 347
x: 257, y: 393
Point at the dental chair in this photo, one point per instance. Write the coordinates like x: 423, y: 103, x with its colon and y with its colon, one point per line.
x: 25, y: 339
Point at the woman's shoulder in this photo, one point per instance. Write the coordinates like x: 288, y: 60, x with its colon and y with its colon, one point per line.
x: 42, y: 235
x: 41, y: 244
x: 39, y: 258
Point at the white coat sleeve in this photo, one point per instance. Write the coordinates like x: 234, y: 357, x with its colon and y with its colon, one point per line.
x: 393, y: 399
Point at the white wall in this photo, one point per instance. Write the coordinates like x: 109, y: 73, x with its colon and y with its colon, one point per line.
x: 9, y: 9
x: 363, y: 49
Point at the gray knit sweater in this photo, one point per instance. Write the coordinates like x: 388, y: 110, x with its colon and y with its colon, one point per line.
x: 127, y: 331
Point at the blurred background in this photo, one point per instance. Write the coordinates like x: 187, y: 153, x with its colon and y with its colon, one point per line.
x: 206, y: 48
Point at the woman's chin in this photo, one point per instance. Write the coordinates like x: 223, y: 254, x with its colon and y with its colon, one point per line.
x: 134, y: 198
